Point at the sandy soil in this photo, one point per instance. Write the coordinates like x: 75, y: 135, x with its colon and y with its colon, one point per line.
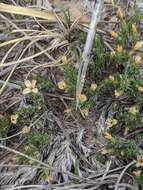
x: 77, y: 8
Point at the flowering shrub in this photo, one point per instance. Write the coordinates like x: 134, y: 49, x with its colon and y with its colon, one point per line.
x: 116, y: 77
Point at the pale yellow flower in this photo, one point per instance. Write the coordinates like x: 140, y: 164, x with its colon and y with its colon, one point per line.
x: 139, y: 161
x: 120, y: 13
x: 114, y: 121
x: 123, y: 153
x: 84, y: 112
x: 64, y: 60
x: 114, y: 34
x: 14, y: 118
x: 83, y: 98
x: 104, y: 151
x: 126, y: 131
x: 26, y: 148
x: 39, y: 107
x: 137, y: 59
x: 138, y: 45
x: 111, y: 122
x: 93, y: 87
x: 50, y: 179
x: 137, y: 173
x: 133, y: 110
x: 108, y: 136
x: 62, y: 85
x: 112, y: 78
x: 25, y: 130
x: 118, y: 93
x: 68, y: 110
x: 119, y: 48
x: 134, y: 28
x: 30, y: 87
x: 112, y: 53
x: 140, y: 88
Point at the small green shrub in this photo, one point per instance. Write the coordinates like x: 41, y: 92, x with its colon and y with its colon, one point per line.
x: 70, y: 78
x: 4, y: 125
x: 35, y: 146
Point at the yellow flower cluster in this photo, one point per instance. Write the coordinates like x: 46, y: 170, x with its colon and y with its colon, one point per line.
x: 133, y: 110
x: 30, y: 87
x: 114, y: 34
x: 120, y: 13
x: 93, y: 87
x: 137, y: 173
x: 126, y: 131
x: 134, y: 28
x: 139, y: 161
x: 14, y: 118
x: 68, y: 110
x: 140, y: 88
x: 111, y: 122
x: 111, y: 78
x: 84, y: 112
x: 104, y: 151
x: 138, y: 45
x: 64, y: 60
x: 62, y: 85
x: 119, y: 49
x: 83, y: 98
x: 25, y: 130
x: 112, y: 53
x: 108, y: 136
x: 137, y: 59
x: 118, y: 93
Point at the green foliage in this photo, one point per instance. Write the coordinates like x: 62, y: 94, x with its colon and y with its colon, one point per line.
x: 123, y: 148
x: 124, y: 76
x: 4, y: 125
x: 38, y: 140
x: 98, y: 63
x: 101, y: 158
x: 121, y: 65
x: 82, y: 37
x: 67, y: 19
x: 34, y: 100
x: 70, y: 76
x: 121, y: 82
x: 127, y: 36
x: 129, y: 120
x: 46, y: 84
x: 34, y: 105
x: 44, y: 173
x: 139, y: 179
x: 36, y: 144
x: 29, y: 151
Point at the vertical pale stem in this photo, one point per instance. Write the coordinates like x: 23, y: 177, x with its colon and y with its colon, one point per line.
x: 87, y: 49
